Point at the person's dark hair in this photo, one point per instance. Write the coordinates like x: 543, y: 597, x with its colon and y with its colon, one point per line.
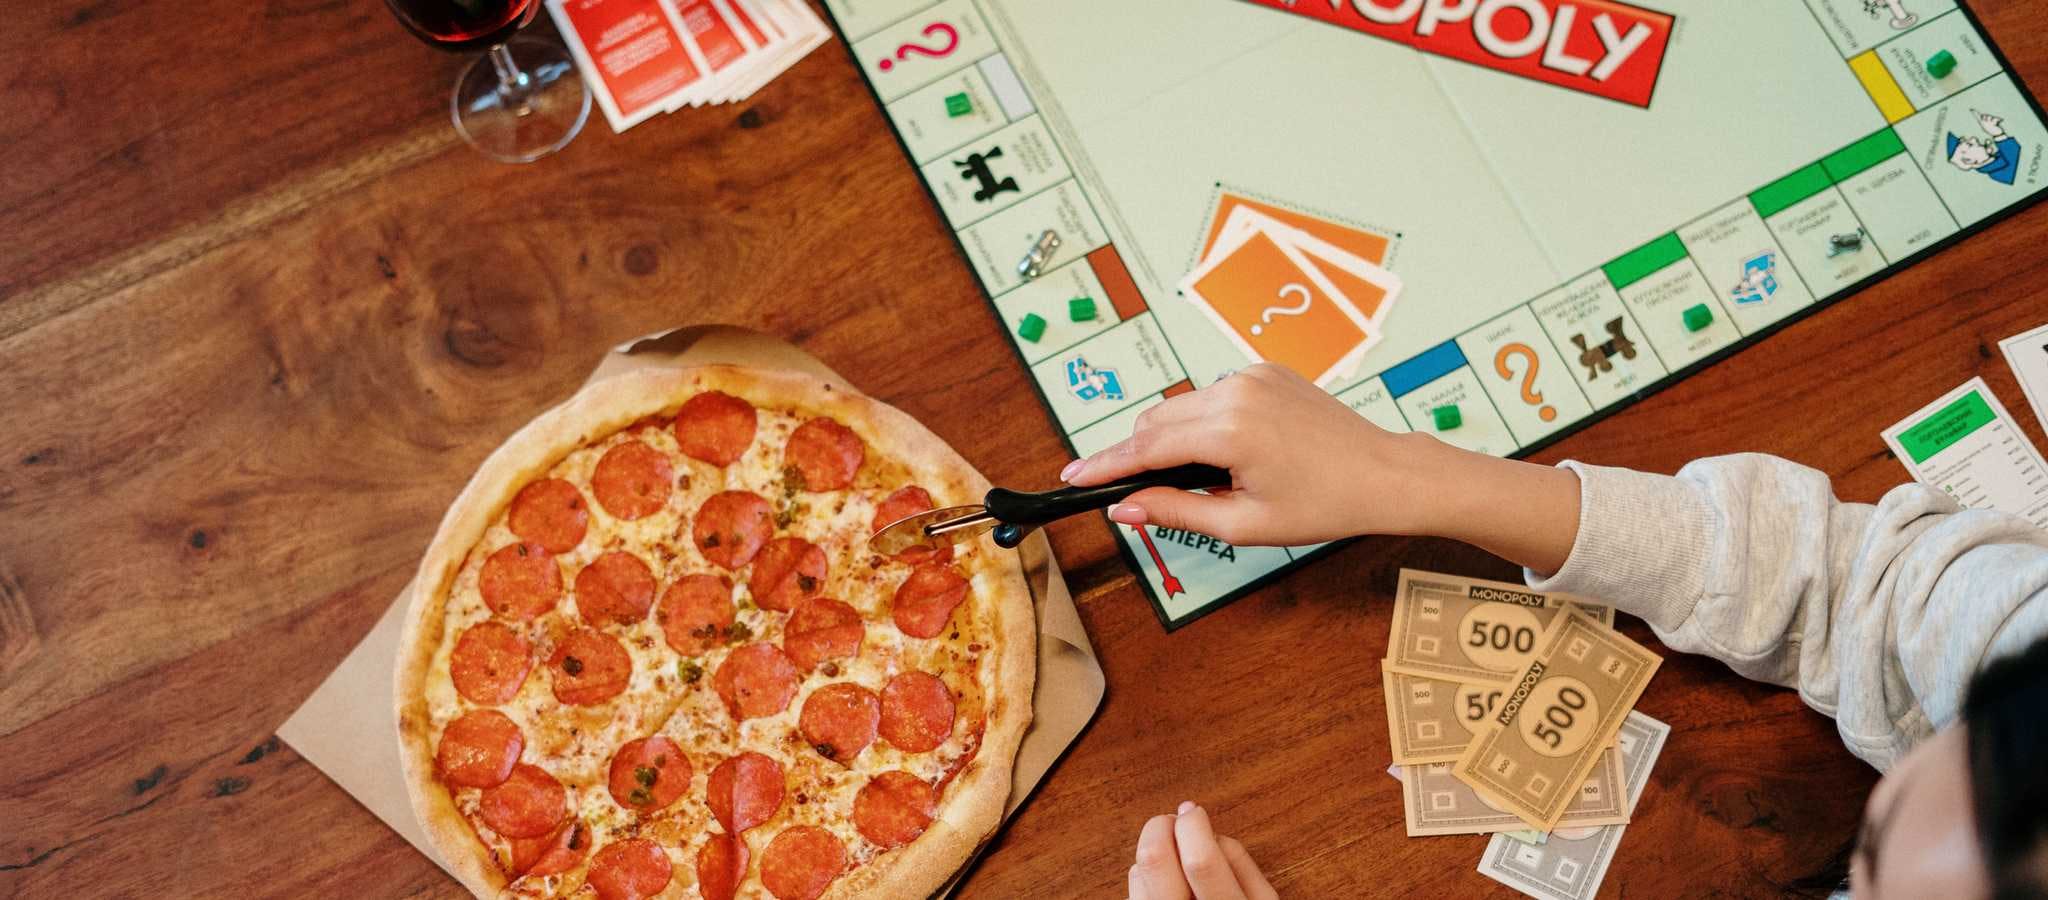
x: 2006, y: 716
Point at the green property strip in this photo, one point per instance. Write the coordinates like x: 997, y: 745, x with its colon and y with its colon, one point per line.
x: 1644, y: 261
x: 1774, y: 198
x: 1953, y: 423
x: 1855, y: 158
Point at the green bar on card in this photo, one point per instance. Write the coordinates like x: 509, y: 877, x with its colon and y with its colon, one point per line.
x: 1863, y: 154
x: 1644, y: 261
x: 1773, y: 198
x: 1953, y: 423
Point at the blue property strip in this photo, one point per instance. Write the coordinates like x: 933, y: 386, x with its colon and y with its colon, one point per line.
x: 1423, y: 368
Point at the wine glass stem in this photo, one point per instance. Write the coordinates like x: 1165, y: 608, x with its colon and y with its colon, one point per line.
x: 513, y: 84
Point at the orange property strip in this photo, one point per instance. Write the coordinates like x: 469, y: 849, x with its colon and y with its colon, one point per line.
x: 1116, y: 282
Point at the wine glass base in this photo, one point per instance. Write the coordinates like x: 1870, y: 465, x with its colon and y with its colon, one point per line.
x: 541, y: 112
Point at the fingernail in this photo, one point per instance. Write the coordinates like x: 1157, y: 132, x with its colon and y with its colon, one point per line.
x: 1073, y: 468
x: 1127, y: 514
x: 1187, y: 806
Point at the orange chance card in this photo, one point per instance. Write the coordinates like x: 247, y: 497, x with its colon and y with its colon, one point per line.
x: 1277, y: 311
x: 1363, y: 244
x: 1368, y: 298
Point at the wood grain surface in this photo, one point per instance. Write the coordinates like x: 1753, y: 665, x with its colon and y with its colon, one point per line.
x: 261, y: 314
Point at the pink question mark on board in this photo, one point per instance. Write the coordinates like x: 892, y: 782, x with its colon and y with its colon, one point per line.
x: 933, y: 30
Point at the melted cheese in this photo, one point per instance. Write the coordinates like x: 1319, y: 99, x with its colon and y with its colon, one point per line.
x: 575, y: 744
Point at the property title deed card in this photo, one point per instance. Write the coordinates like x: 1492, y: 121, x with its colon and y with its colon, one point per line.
x: 1967, y: 445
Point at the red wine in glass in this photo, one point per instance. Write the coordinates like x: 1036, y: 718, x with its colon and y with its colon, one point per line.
x: 464, y: 25
x: 526, y: 101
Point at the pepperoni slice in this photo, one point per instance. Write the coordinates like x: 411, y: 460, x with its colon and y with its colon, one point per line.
x: 528, y: 804
x: 553, y: 854
x: 479, y: 749
x: 615, y: 588
x: 925, y: 601
x: 721, y: 866
x: 589, y: 667
x: 909, y: 501
x: 802, y: 862
x: 820, y: 629
x: 822, y: 455
x: 632, y: 480
x: 549, y: 512
x: 788, y: 569
x: 489, y: 663
x: 917, y: 712
x: 630, y: 870
x: 731, y: 527
x: 839, y: 720
x: 649, y: 773
x: 696, y: 613
x: 744, y: 791
x: 520, y: 581
x: 715, y: 427
x: 756, y: 680
x: 894, y: 808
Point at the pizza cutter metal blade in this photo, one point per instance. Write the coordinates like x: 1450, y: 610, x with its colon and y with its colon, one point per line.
x: 1013, y: 514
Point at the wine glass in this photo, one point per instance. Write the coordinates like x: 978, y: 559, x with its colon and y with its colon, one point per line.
x: 519, y: 102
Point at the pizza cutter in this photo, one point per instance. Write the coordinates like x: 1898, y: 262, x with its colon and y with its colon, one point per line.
x: 1013, y: 514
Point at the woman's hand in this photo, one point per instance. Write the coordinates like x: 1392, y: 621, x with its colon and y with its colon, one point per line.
x: 1305, y: 468
x: 1181, y: 858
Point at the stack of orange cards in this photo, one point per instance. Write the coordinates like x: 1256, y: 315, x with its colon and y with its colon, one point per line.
x: 642, y: 57
x: 1292, y: 289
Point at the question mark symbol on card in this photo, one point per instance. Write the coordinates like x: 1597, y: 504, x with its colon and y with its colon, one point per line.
x: 935, y: 29
x: 1529, y: 393
x: 1266, y: 315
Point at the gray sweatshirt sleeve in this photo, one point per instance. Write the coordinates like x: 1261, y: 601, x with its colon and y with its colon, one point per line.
x: 1879, y: 615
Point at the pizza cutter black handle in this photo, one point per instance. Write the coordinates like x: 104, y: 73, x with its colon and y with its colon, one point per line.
x: 1020, y: 512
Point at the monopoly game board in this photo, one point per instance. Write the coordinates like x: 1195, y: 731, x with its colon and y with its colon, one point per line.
x: 1495, y: 220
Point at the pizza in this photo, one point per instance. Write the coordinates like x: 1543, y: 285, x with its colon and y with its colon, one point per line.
x: 649, y: 652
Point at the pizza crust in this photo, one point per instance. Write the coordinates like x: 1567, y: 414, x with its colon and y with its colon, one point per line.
x: 974, y: 801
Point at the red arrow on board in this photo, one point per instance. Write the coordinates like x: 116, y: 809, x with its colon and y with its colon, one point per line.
x: 1166, y: 579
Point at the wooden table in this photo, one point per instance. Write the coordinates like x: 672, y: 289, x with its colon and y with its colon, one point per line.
x: 261, y: 314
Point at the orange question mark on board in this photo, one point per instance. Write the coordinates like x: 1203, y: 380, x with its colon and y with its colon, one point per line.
x: 1529, y: 393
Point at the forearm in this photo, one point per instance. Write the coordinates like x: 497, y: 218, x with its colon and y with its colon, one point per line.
x: 1522, y: 512
x: 1878, y: 615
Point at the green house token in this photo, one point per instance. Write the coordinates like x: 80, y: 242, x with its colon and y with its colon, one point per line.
x: 1941, y: 63
x: 1447, y: 417
x: 958, y: 105
x: 1032, y: 328
x: 1081, y: 309
x: 1698, y: 317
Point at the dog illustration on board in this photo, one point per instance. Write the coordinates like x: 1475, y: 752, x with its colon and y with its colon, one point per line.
x: 1598, y: 359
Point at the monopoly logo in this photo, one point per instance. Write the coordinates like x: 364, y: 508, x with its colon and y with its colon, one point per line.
x: 1530, y: 676
x: 1498, y: 595
x: 1600, y: 47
